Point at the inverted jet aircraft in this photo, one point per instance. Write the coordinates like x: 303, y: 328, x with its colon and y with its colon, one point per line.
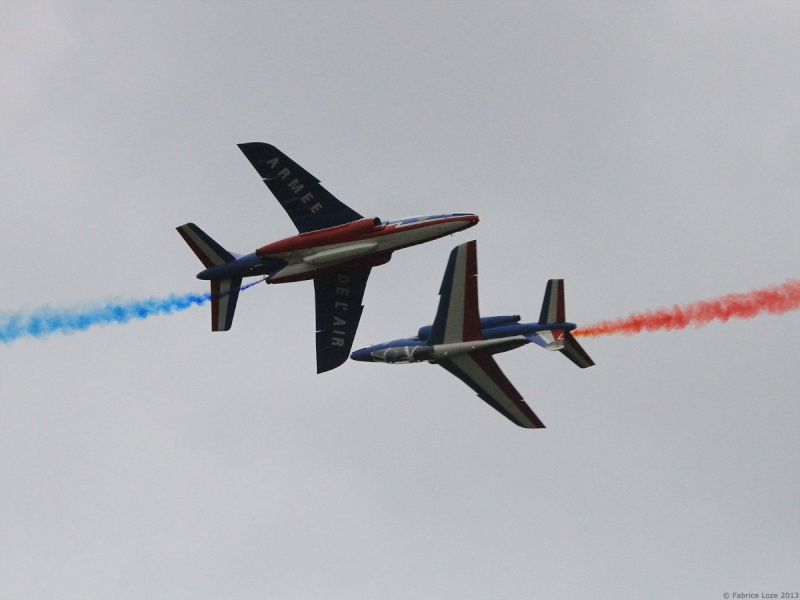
x: 463, y: 343
x: 336, y: 247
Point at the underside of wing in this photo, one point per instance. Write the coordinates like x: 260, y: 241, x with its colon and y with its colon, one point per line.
x: 338, y: 299
x: 309, y: 205
x: 458, y: 318
x: 480, y: 372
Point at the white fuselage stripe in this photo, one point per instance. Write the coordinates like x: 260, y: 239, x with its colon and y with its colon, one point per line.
x: 458, y: 348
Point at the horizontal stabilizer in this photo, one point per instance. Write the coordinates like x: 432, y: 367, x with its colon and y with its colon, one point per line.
x: 210, y: 253
x: 549, y: 339
x: 573, y: 351
x: 224, y: 294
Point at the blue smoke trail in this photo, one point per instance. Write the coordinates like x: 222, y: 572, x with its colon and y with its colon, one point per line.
x: 44, y: 321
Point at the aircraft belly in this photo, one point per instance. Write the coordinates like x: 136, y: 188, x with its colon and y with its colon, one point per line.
x: 308, y: 266
x: 448, y: 350
x: 340, y: 254
x: 304, y: 263
x: 292, y: 270
x: 509, y: 345
x: 401, y: 238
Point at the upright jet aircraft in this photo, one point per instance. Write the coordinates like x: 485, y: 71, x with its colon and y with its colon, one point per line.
x: 463, y: 343
x: 336, y: 247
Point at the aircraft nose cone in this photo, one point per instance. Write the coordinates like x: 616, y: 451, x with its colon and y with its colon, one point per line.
x: 470, y: 219
x: 362, y: 355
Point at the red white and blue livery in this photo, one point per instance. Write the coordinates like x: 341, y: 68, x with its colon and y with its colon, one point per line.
x: 336, y: 247
x: 463, y: 343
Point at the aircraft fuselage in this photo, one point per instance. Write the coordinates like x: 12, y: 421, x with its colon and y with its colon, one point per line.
x: 499, y: 334
x: 362, y: 243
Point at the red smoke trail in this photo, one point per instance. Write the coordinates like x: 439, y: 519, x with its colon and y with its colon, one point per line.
x: 775, y: 300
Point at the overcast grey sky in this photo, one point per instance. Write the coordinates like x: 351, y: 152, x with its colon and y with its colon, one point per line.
x: 648, y: 153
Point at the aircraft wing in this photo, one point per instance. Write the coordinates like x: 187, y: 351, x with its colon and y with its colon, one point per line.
x: 309, y: 205
x: 458, y: 318
x: 338, y: 303
x: 480, y: 372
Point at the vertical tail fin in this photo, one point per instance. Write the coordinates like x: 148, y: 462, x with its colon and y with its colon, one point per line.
x: 553, y: 303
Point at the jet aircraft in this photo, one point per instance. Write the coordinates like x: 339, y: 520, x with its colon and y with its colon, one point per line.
x: 336, y: 247
x: 463, y: 343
